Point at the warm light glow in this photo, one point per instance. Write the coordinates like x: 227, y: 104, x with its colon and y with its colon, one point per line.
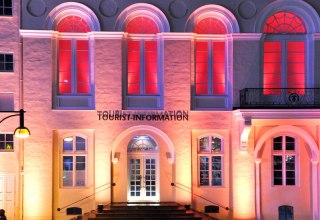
x: 22, y: 132
x: 68, y: 139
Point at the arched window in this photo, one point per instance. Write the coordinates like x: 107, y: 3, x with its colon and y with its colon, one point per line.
x: 212, y: 74
x: 74, y: 161
x: 284, y: 153
x: 284, y: 56
x: 143, y: 87
x: 74, y: 77
x: 210, y: 161
x: 143, y: 76
x: 210, y: 71
x: 285, y: 212
x: 73, y: 84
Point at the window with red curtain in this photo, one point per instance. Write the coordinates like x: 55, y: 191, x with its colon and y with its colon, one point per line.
x: 284, y: 56
x: 210, y: 67
x: 73, y: 73
x: 142, y: 57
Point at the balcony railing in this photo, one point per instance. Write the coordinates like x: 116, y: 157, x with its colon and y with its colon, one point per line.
x: 280, y: 98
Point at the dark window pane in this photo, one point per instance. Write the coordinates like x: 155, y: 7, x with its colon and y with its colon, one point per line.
x: 9, y: 58
x: 9, y: 67
x: 8, y: 3
x: 2, y: 136
x: 81, y: 159
x: 277, y: 162
x: 2, y: 68
x: 290, y: 174
x: 80, y: 144
x: 2, y: 145
x: 68, y: 144
x: 290, y: 182
x: 277, y: 174
x: 277, y: 181
x: 1, y: 56
x: 216, y: 182
x: 8, y: 11
x: 216, y: 144
x: 9, y: 137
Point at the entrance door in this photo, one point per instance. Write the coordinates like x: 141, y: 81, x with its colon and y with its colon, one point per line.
x: 7, y: 195
x: 143, y: 178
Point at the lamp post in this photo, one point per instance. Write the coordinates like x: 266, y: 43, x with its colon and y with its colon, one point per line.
x: 21, y: 131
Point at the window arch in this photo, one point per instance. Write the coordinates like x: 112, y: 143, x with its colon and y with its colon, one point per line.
x: 284, y: 52
x: 74, y: 155
x: 210, y: 160
x: 144, y: 60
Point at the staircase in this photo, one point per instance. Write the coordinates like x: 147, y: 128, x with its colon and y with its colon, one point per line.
x: 145, y: 211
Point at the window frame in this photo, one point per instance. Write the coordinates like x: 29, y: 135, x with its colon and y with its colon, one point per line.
x: 283, y: 153
x: 210, y: 155
x: 5, y: 54
x: 85, y: 100
x: 74, y: 154
x: 284, y: 39
x: 211, y: 73
x: 3, y: 7
x: 144, y: 101
x: 5, y: 142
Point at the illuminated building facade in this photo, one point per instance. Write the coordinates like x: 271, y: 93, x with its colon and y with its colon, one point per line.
x: 153, y: 101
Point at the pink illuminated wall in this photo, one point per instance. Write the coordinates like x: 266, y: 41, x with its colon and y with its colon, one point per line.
x: 210, y: 59
x: 142, y: 58
x: 73, y: 58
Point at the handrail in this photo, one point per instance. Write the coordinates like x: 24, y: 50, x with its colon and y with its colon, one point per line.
x: 208, y: 200
x: 59, y: 209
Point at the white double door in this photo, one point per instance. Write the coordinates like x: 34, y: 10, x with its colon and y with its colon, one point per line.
x: 143, y: 178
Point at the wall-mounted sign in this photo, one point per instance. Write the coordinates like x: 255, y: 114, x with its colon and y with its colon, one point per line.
x: 120, y: 115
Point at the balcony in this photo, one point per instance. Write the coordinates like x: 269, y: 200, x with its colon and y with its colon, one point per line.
x: 280, y: 98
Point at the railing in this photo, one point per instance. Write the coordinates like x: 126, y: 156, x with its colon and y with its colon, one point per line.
x: 100, y: 189
x: 280, y: 98
x: 186, y: 189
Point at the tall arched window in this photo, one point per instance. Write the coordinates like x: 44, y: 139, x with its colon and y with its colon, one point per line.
x: 284, y: 55
x: 142, y: 58
x: 143, y: 82
x: 210, y: 74
x: 73, y: 84
x: 73, y: 77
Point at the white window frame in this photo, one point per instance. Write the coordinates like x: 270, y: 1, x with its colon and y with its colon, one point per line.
x: 5, y: 141
x: 74, y: 154
x: 210, y: 155
x: 283, y: 153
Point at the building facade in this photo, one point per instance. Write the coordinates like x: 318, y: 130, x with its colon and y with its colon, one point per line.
x: 198, y: 102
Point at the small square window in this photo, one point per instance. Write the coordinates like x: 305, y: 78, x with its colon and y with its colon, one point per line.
x: 6, y: 142
x: 6, y: 62
x: 5, y: 7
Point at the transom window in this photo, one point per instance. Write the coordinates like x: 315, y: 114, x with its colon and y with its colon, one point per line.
x: 284, y: 53
x: 74, y: 161
x: 284, y: 160
x: 210, y: 70
x: 210, y: 161
x: 6, y: 142
x: 142, y: 143
x: 5, y: 7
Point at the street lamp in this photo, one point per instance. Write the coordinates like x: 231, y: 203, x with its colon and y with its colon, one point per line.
x: 21, y: 131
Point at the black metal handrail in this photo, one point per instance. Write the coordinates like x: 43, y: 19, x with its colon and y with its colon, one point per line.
x: 66, y: 206
x: 208, y: 200
x: 280, y: 98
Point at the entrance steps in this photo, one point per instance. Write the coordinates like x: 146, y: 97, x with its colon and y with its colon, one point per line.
x: 145, y: 211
